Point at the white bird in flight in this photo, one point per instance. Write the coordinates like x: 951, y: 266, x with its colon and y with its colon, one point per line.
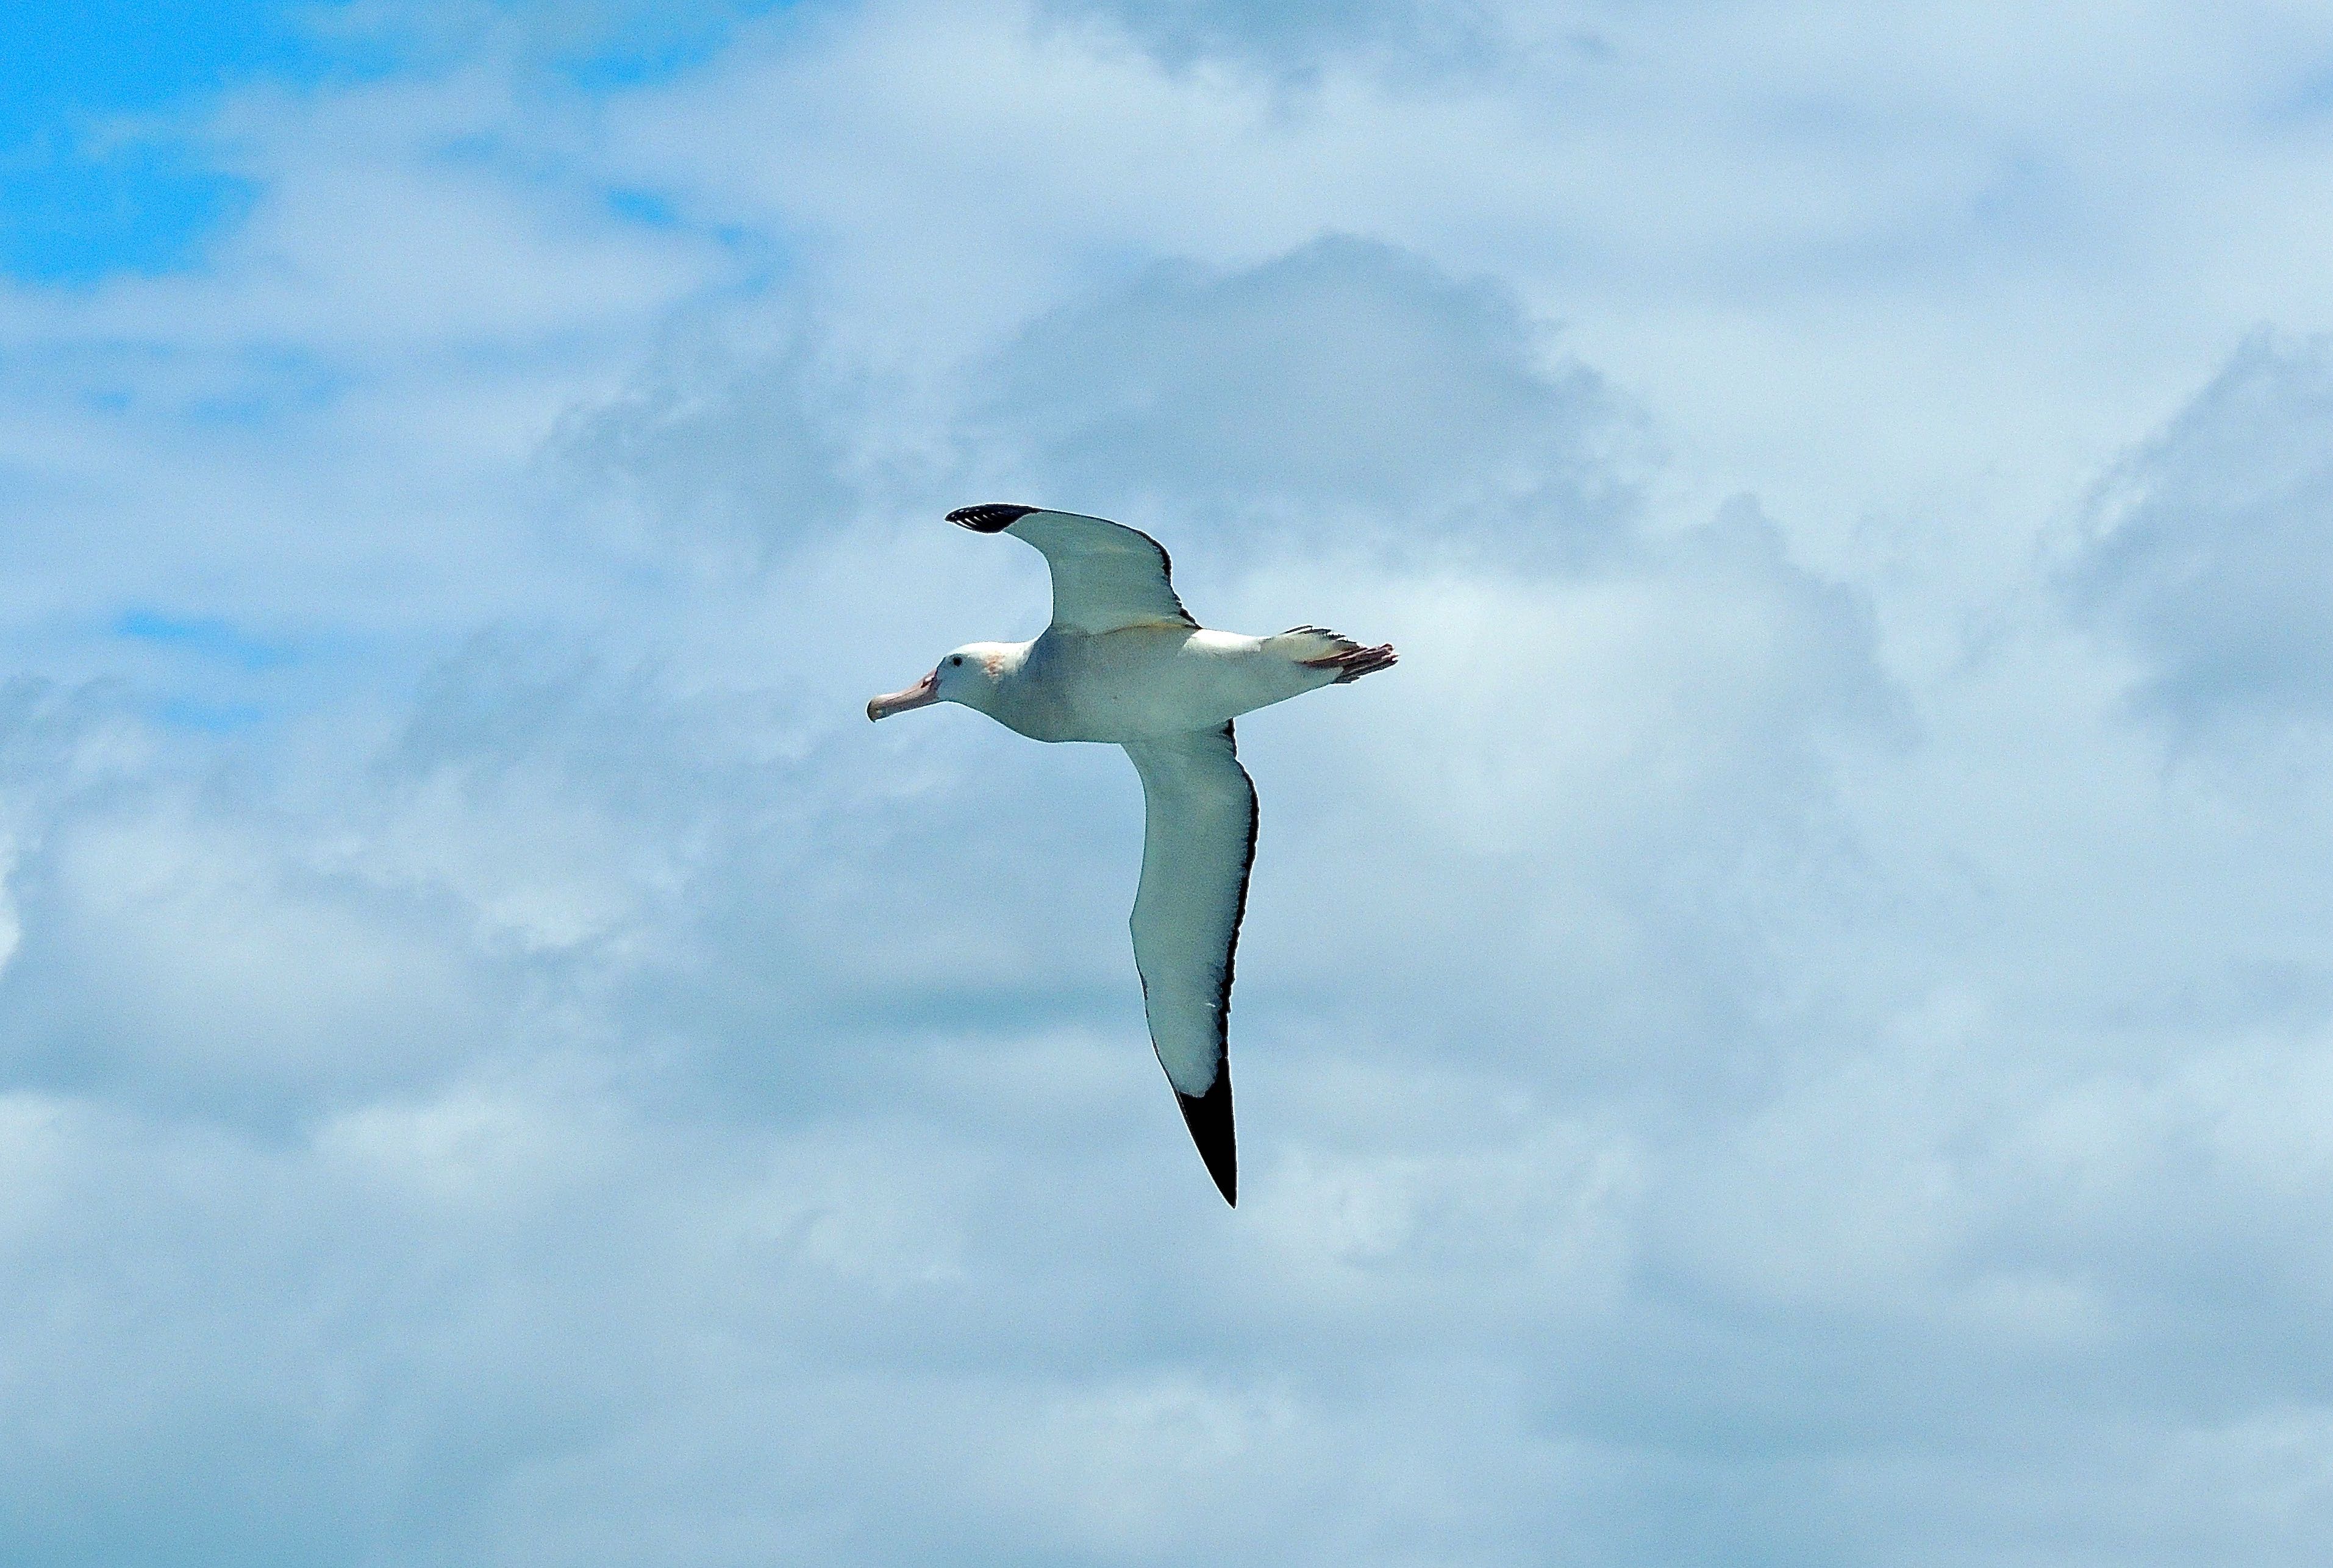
x: 1124, y: 663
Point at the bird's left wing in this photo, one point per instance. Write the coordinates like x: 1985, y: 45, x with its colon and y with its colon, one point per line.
x: 1105, y: 575
x: 1198, y: 841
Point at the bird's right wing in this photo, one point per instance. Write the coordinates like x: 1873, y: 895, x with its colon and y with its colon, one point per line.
x: 1105, y: 575
x: 1198, y: 842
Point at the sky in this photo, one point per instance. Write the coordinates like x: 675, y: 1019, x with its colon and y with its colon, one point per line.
x: 1796, y: 1027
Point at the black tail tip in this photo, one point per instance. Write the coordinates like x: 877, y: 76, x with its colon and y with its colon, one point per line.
x: 1209, y: 1117
x: 994, y: 517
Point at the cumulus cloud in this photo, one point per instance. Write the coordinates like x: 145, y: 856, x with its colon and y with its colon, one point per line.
x: 2211, y: 540
x: 734, y: 452
x: 1344, y: 392
x: 1628, y: 771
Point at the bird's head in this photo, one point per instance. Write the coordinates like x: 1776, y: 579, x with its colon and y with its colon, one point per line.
x: 968, y: 675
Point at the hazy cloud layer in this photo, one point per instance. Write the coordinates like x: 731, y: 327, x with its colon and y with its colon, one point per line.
x: 1756, y: 1042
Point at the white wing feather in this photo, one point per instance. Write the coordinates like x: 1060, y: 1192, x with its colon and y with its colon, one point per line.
x: 1198, y: 842
x: 1105, y: 575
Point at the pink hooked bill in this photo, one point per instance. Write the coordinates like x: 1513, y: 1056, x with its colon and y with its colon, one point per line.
x: 922, y: 694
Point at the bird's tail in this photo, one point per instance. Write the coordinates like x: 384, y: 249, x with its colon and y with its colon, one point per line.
x: 1319, y: 648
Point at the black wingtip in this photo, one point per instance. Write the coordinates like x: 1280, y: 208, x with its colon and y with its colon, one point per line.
x: 994, y: 518
x: 1209, y: 1117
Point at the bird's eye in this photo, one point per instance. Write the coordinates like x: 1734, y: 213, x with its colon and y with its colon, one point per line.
x: 955, y: 658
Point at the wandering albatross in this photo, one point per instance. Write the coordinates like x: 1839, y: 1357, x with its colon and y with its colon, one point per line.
x: 1123, y: 662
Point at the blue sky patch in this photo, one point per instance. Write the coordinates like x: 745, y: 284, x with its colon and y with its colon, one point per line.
x: 78, y: 199
x: 644, y: 44
x: 71, y: 218
x: 86, y: 191
x: 210, y: 718
x: 206, y: 636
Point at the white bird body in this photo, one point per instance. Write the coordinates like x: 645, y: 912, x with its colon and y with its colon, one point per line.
x: 1124, y: 662
x: 1142, y: 683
